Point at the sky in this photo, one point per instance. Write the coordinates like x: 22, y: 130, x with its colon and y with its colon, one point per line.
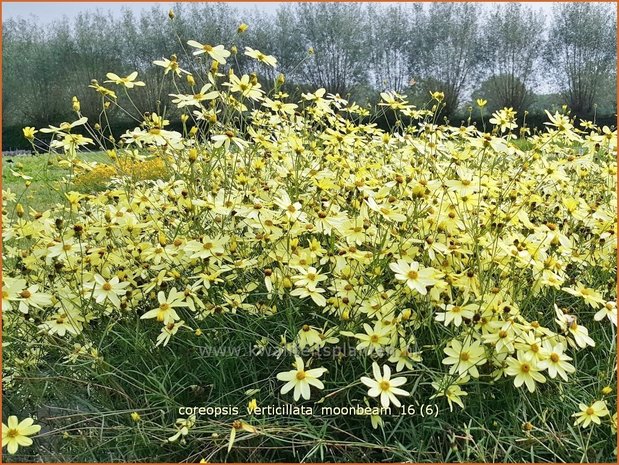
x: 52, y: 11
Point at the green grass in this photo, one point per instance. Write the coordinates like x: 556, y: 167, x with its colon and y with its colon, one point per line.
x: 46, y: 186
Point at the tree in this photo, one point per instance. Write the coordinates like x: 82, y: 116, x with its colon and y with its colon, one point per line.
x: 450, y: 49
x: 394, y: 45
x: 511, y: 43
x: 581, y: 51
x: 336, y: 34
x: 504, y: 91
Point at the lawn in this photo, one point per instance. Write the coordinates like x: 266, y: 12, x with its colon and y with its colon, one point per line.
x: 42, y: 186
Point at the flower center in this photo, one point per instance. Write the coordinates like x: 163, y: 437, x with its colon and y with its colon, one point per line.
x: 13, y: 433
x: 465, y: 357
x: 525, y: 368
x: 412, y: 275
x: 26, y: 294
x: 384, y: 385
x: 554, y: 357
x: 300, y: 375
x: 107, y: 287
x: 590, y: 411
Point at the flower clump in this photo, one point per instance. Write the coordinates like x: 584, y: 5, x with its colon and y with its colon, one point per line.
x: 410, y: 244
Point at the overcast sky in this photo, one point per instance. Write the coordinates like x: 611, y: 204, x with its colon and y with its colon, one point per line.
x: 52, y: 11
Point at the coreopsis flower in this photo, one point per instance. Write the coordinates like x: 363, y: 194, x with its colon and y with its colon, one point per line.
x: 300, y: 379
x: 170, y: 65
x: 245, y: 87
x: 384, y: 386
x: 451, y: 391
x: 609, y: 310
x: 456, y: 313
x: 415, y: 277
x: 590, y: 296
x: 128, y: 81
x: 505, y: 119
x: 166, y: 312
x: 167, y: 331
x: 11, y: 291
x: 556, y: 362
x: 111, y: 289
x: 15, y: 433
x: 258, y: 55
x: 217, y: 53
x: 374, y: 339
x: 183, y: 426
x: 590, y: 413
x: 196, y: 99
x: 525, y: 370
x: 464, y: 358
x: 29, y: 132
x: 32, y: 297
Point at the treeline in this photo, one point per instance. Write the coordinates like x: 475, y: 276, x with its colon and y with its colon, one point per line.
x: 467, y: 51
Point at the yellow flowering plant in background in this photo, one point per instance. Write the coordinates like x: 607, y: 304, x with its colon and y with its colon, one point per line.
x: 196, y: 265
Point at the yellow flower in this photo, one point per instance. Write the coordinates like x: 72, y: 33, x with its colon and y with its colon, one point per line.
x: 481, y: 102
x: 218, y: 53
x: 29, y: 132
x: 416, y: 278
x: 135, y: 416
x: 464, y: 358
x: 15, y: 434
x: 128, y: 81
x: 242, y: 28
x: 384, y: 386
x: 301, y: 380
x: 252, y: 405
x: 258, y: 55
x: 590, y: 413
x: 525, y: 371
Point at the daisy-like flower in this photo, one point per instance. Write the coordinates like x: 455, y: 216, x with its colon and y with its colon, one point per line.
x: 557, y: 362
x: 455, y: 313
x: 245, y: 86
x: 308, y: 278
x: 464, y: 358
x: 374, y: 339
x: 165, y: 312
x: 15, y: 433
x: 170, y: 65
x: 11, y: 290
x: 415, y: 278
x: 31, y: 297
x: 111, y: 290
x: 451, y: 390
x: 217, y: 53
x: 183, y: 425
x: 590, y: 413
x: 301, y: 379
x: 525, y: 371
x: 168, y: 331
x: 128, y: 81
x: 384, y: 387
x: 609, y: 310
x: 589, y: 295
x: 258, y: 55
